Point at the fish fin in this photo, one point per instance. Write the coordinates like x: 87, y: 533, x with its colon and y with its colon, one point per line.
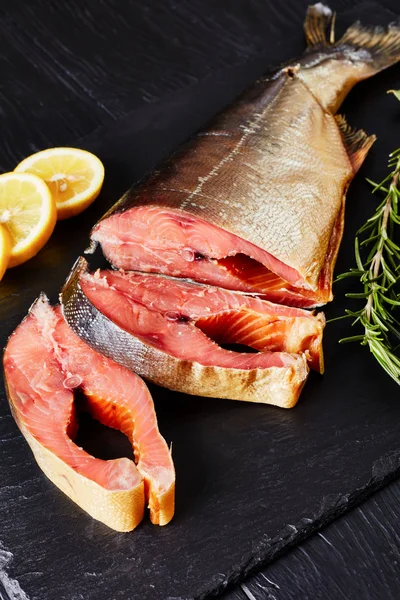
x: 318, y: 18
x: 381, y: 43
x: 356, y: 141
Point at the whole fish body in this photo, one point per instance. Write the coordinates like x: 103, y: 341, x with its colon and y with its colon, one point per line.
x: 255, y: 201
x: 44, y: 363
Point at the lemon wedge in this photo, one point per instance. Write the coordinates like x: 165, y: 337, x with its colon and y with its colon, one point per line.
x: 28, y: 213
x: 5, y: 249
x: 74, y: 177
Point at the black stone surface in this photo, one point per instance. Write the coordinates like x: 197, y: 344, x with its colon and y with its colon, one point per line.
x: 252, y: 480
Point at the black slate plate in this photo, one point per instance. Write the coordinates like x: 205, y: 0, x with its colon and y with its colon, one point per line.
x: 251, y: 479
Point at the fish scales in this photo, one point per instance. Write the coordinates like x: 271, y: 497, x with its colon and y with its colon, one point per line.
x: 255, y: 187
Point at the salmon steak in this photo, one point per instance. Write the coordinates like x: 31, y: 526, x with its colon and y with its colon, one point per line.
x: 44, y: 362
x: 173, y: 333
x: 255, y: 201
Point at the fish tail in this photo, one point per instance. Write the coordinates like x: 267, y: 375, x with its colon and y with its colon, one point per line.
x: 381, y: 45
x: 359, y: 54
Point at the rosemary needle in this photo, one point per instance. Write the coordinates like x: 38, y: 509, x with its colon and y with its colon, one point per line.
x: 377, y: 258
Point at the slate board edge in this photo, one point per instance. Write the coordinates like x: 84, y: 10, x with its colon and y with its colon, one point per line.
x: 384, y: 470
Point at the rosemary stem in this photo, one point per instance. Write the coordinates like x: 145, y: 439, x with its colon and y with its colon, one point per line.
x: 377, y: 256
x: 377, y: 260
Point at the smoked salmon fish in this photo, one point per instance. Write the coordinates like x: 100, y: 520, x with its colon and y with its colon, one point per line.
x: 255, y: 201
x: 44, y: 362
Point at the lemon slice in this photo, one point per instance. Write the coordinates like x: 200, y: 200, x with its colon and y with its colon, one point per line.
x: 5, y: 249
x: 28, y: 212
x: 74, y: 177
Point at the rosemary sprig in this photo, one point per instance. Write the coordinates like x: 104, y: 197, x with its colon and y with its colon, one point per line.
x: 378, y: 268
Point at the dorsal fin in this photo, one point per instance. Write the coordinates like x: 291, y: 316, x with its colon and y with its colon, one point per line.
x: 356, y: 141
x: 317, y: 20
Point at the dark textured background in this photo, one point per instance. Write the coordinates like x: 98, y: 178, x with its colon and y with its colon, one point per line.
x: 135, y: 79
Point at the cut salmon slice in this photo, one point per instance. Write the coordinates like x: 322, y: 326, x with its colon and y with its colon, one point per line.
x: 226, y: 317
x: 163, y: 329
x: 44, y: 362
x: 172, y: 242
